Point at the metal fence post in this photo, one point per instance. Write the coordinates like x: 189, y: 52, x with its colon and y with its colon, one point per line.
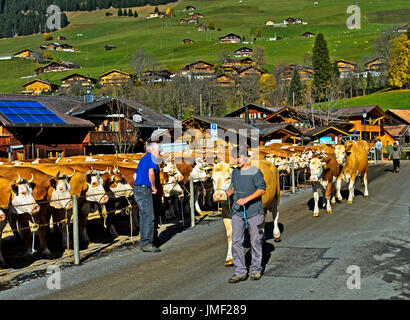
x: 293, y: 177
x: 191, y: 201
x: 76, y: 231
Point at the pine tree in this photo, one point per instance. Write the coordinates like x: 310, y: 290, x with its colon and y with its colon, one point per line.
x: 156, y: 9
x: 322, y: 68
x: 295, y: 89
x: 211, y: 25
x: 130, y: 12
x: 135, y: 14
x: 124, y: 12
x: 119, y: 12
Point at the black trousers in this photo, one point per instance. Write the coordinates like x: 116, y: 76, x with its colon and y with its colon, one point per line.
x: 396, y: 164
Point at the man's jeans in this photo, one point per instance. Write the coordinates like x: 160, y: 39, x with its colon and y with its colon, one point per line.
x: 143, y: 197
x: 378, y: 154
x: 256, y: 230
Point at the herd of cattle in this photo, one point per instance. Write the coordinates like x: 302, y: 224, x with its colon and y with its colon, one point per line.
x: 42, y: 189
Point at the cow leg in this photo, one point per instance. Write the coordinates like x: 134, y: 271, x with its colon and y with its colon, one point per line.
x: 338, y: 189
x: 275, y: 216
x: 40, y: 219
x: 366, y: 191
x: 228, y: 227
x: 351, y: 190
x: 328, y: 195
x: 83, y: 216
x: 60, y: 217
x: 316, y: 200
x: 13, y: 225
x: 26, y: 235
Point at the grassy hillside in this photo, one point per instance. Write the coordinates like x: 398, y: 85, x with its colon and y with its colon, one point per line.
x: 390, y: 99
x: 162, y: 38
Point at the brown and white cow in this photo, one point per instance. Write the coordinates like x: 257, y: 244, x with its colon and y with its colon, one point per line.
x: 16, y: 197
x: 356, y: 164
x: 324, y: 171
x: 221, y: 177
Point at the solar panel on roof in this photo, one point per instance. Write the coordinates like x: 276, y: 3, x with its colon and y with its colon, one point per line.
x: 28, y: 112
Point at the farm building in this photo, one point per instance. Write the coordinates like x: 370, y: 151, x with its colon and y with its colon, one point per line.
x: 61, y: 38
x: 345, y: 67
x: 189, y: 8
x: 188, y: 41
x: 243, y: 52
x: 230, y: 38
x: 398, y: 116
x: 66, y: 47
x: 115, y: 77
x: 201, y: 27
x: 197, y: 16
x: 42, y: 126
x: 198, y: 69
x: 56, y: 67
x: 325, y: 135
x: 51, y: 46
x: 192, y: 21
x: 24, y: 54
x: 307, y: 35
x: 305, y: 72
x: 375, y: 66
x: 87, y: 82
x: 38, y: 86
x: 223, y: 80
x: 404, y: 28
x: 251, y: 71
x: 157, y: 76
x: 182, y: 20
x: 109, y: 47
x: 255, y: 112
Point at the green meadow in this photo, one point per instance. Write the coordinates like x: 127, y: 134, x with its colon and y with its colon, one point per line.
x: 162, y: 38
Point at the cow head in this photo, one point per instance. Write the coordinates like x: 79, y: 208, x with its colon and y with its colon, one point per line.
x: 22, y: 199
x: 2, y: 215
x: 340, y: 154
x: 60, y: 191
x: 117, y: 184
x: 317, y: 166
x: 200, y: 170
x: 171, y: 177
x: 95, y: 191
x: 221, y: 179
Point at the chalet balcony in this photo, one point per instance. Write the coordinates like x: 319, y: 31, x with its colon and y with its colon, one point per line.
x: 5, y: 141
x: 110, y: 137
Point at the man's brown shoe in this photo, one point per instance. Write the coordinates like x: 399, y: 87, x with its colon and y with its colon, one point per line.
x: 237, y: 278
x: 255, y: 276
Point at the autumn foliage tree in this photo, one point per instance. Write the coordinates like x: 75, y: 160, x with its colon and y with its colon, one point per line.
x: 399, y: 64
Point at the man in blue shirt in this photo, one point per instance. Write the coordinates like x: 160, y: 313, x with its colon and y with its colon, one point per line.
x: 378, y: 148
x: 146, y: 184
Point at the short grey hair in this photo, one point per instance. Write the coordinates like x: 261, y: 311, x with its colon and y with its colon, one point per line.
x: 152, y: 146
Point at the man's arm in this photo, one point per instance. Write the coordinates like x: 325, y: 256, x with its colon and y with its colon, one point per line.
x: 151, y: 176
x: 258, y: 193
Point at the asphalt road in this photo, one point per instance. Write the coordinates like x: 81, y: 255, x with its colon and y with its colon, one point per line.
x: 310, y: 262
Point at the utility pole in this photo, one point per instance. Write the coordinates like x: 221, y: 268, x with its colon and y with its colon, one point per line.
x: 200, y: 105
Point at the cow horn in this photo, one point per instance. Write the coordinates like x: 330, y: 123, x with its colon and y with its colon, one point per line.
x: 32, y: 178
x: 18, y: 179
x: 106, y: 170
x: 57, y: 175
x: 71, y: 175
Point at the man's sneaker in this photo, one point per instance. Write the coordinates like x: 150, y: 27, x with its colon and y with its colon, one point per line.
x: 237, y: 278
x: 150, y: 248
x: 255, y: 276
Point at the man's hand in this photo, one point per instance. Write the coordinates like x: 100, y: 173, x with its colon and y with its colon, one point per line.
x: 154, y: 190
x: 242, y: 201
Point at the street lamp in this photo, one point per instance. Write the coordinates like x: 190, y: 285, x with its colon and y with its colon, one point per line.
x: 364, y: 114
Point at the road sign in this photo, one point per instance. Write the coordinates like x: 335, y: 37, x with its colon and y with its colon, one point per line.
x: 214, y: 131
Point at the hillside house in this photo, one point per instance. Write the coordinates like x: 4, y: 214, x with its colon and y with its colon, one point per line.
x: 305, y: 72
x: 55, y: 67
x: 188, y: 41
x: 66, y: 47
x: 230, y: 38
x: 51, y: 46
x: 115, y: 78
x: 251, y: 71
x: 109, y: 47
x: 158, y: 76
x: 223, y: 80
x: 345, y: 67
x: 182, y: 21
x: 197, y: 16
x: 404, y: 28
x: 192, y: 21
x: 61, y: 38
x: 189, y: 8
x: 152, y: 15
x: 376, y: 66
x: 307, y: 35
x: 38, y: 86
x: 254, y: 111
x: 24, y: 54
x: 243, y: 52
x: 199, y: 69
x: 275, y: 38
x: 201, y: 27
x: 86, y: 82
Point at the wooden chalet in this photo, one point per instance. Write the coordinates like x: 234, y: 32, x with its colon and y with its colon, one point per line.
x: 119, y: 124
x: 269, y: 23
x: 201, y: 27
x: 230, y: 38
x: 278, y: 133
x: 404, y: 28
x: 400, y: 133
x: 345, y: 67
x: 251, y: 71
x: 115, y: 78
x: 398, y: 116
x: 325, y: 135
x: 192, y: 21
x: 198, y: 69
x: 86, y: 82
x: 38, y: 86
x: 305, y: 72
x: 157, y: 76
x: 376, y: 64
x: 66, y: 47
x: 108, y: 14
x: 197, y: 16
x: 243, y: 52
x: 55, y: 67
x: 182, y: 21
x: 223, y: 80
x: 307, y: 35
x: 189, y: 8
x: 61, y: 38
x: 152, y: 15
x: 187, y: 41
x: 255, y: 112
x: 51, y: 46
x: 47, y: 132
x: 24, y: 54
x: 374, y: 121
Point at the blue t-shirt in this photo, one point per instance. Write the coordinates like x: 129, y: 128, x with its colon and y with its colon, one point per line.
x: 147, y: 162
